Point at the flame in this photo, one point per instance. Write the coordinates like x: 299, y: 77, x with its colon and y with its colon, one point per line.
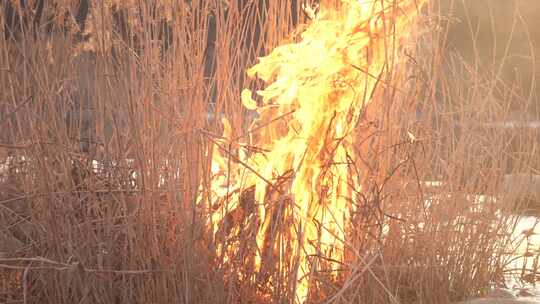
x: 302, y: 142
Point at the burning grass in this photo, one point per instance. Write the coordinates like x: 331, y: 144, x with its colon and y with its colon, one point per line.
x: 109, y: 180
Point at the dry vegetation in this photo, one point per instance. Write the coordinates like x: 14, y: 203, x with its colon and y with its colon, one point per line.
x: 105, y: 135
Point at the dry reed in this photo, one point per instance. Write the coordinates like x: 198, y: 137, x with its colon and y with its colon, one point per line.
x: 106, y: 123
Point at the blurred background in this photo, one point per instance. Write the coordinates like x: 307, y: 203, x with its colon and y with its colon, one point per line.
x: 501, y: 39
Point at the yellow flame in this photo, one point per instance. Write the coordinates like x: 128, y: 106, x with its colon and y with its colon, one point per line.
x: 314, y: 96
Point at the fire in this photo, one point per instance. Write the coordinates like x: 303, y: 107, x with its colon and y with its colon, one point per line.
x: 300, y: 148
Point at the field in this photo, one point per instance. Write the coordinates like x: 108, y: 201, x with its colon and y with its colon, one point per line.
x: 115, y: 116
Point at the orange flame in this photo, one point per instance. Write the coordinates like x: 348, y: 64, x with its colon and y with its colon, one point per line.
x: 316, y: 90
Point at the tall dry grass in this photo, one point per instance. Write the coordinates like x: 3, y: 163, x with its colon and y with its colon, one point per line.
x: 106, y: 127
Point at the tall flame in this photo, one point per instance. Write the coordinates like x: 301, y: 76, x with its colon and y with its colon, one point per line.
x: 302, y: 141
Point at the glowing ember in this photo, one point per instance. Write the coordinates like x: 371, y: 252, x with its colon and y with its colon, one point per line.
x: 302, y: 142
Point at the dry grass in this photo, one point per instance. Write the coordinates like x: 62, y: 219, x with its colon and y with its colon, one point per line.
x: 106, y: 130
